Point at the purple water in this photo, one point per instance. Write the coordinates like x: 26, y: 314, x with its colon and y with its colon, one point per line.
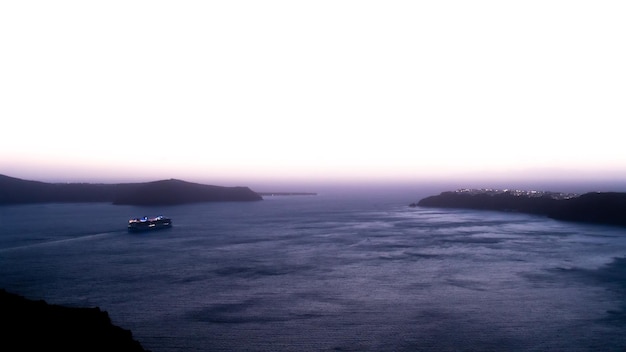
x: 326, y: 273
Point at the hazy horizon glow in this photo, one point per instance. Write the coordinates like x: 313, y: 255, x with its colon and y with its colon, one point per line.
x: 324, y: 91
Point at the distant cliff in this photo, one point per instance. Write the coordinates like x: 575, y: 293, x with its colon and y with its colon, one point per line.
x: 164, y: 192
x: 600, y: 208
x: 28, y: 325
x: 180, y: 192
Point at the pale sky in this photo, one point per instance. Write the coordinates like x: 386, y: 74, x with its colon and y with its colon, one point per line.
x: 229, y: 92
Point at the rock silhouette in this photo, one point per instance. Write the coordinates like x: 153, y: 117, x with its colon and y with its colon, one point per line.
x: 607, y: 208
x: 29, y: 325
x: 163, y: 192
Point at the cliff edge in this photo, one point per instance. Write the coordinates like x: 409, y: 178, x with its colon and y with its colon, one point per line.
x: 29, y: 325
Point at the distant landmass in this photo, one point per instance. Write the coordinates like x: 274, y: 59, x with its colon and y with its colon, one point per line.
x: 29, y: 325
x: 164, y: 192
x: 287, y: 194
x: 595, y: 207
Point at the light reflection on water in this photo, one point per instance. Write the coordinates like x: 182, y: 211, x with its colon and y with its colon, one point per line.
x: 323, y: 273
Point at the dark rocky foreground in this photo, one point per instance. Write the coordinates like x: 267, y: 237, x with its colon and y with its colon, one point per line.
x: 28, y: 325
x: 163, y: 192
x: 607, y: 208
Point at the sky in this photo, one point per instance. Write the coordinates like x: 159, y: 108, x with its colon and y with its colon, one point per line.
x: 247, y: 92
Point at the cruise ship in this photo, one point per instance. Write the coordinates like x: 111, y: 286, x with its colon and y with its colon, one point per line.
x: 148, y: 224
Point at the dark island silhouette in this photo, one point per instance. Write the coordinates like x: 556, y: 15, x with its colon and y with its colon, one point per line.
x: 608, y: 208
x: 164, y: 192
x: 29, y: 325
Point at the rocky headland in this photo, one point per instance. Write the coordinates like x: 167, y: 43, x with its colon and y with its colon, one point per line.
x: 607, y: 208
x: 162, y: 192
x: 29, y: 325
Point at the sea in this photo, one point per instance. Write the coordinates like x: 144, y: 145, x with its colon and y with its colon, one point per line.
x: 335, y: 271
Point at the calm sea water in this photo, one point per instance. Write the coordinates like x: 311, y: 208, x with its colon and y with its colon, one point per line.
x: 326, y: 273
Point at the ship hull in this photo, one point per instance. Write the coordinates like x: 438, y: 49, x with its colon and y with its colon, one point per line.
x: 145, y: 224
